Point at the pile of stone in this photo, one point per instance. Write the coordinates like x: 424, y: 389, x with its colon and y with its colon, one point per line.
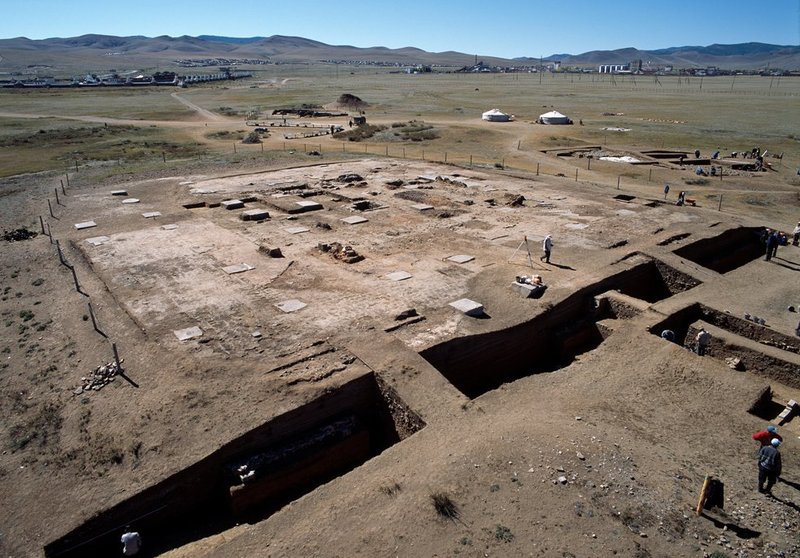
x: 341, y: 252
x: 102, y: 376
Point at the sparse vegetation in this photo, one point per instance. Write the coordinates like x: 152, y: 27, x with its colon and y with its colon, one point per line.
x: 359, y: 133
x: 390, y: 489
x: 504, y: 534
x: 444, y: 506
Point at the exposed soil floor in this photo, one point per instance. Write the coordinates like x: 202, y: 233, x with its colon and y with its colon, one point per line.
x: 547, y: 426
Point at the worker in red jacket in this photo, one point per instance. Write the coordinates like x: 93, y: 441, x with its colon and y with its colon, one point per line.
x: 765, y: 436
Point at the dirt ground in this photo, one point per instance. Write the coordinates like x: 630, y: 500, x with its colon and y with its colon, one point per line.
x: 603, y: 454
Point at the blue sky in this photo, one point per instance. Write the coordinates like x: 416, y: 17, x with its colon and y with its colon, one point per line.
x: 505, y: 28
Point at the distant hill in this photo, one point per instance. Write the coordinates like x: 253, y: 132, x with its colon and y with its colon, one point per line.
x: 100, y: 53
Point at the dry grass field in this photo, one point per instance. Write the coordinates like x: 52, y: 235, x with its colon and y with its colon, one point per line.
x: 558, y: 426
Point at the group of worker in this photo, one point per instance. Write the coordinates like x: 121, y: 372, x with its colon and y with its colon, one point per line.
x: 769, y: 458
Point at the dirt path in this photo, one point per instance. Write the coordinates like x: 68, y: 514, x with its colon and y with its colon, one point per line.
x: 206, y: 114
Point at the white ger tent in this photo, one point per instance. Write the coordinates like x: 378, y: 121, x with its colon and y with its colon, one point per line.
x: 554, y: 117
x: 495, y: 115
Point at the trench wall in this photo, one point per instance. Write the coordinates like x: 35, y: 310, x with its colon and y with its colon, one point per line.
x: 478, y: 363
x: 726, y: 252
x: 196, y: 501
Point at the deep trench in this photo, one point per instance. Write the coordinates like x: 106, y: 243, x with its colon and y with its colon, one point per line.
x: 682, y: 324
x: 727, y: 251
x: 480, y: 363
x: 289, y: 456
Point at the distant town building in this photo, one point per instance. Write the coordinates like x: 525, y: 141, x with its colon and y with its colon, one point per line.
x: 614, y: 68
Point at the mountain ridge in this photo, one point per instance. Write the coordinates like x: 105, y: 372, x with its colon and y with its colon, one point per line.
x: 20, y: 52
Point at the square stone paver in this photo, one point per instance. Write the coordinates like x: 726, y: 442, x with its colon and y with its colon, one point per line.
x: 422, y: 206
x: 188, y: 333
x: 237, y: 268
x: 468, y: 307
x: 461, y: 258
x: 292, y: 305
x: 399, y: 276
x: 354, y: 220
x: 309, y: 205
x: 97, y: 240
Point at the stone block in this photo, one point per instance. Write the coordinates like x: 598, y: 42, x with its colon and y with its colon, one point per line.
x: 422, y: 207
x: 354, y: 220
x: 308, y: 205
x: 237, y: 268
x: 130, y: 200
x: 169, y: 227
x: 85, y: 225
x: 119, y: 192
x: 97, y: 240
x: 527, y: 290
x: 292, y: 305
x: 151, y: 214
x: 399, y: 276
x: 188, y: 333
x: 296, y: 230
x: 461, y: 258
x: 232, y: 204
x: 254, y: 215
x: 468, y: 307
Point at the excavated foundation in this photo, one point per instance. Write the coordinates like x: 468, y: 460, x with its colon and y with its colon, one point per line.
x: 726, y: 252
x: 255, y: 474
x: 753, y: 360
x: 480, y: 363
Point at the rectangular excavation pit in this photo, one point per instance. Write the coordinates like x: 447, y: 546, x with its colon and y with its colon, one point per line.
x: 481, y: 363
x: 727, y: 251
x: 784, y: 370
x: 624, y: 197
x: 291, y: 455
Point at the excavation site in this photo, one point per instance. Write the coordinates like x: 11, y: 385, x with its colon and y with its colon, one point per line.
x: 333, y: 357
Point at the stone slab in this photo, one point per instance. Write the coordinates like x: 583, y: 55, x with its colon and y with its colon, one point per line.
x: 399, y: 276
x: 468, y: 307
x: 188, y: 333
x: 85, y: 225
x: 130, y: 200
x: 151, y: 214
x: 354, y: 220
x: 528, y: 291
x: 232, y: 204
x: 97, y: 240
x: 422, y: 206
x: 170, y: 227
x: 237, y: 268
x: 461, y: 258
x: 296, y: 230
x: 254, y: 215
x: 119, y: 192
x: 309, y: 205
x: 292, y: 305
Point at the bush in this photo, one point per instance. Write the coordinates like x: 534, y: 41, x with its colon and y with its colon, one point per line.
x: 252, y: 137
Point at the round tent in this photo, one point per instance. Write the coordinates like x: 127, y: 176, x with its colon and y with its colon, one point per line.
x: 554, y: 117
x: 495, y: 115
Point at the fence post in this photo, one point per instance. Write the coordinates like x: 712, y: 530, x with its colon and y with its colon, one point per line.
x: 445, y: 156
x: 67, y: 175
x: 618, y: 182
x: 58, y: 200
x: 589, y: 163
x: 62, y: 187
x: 576, y: 175
x: 719, y: 208
x: 41, y: 222
x: 50, y: 206
x: 537, y: 169
x: 94, y: 320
